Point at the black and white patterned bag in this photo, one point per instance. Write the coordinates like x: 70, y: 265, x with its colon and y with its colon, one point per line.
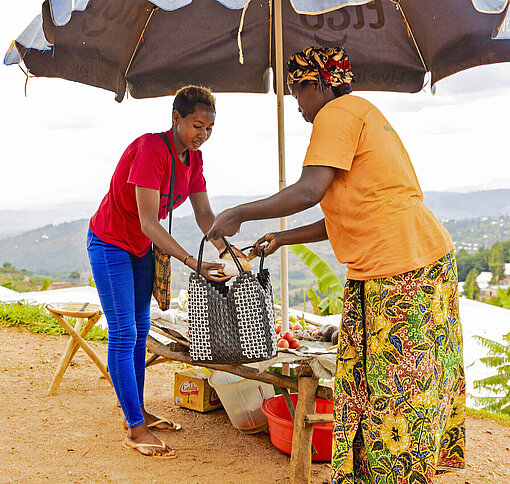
x: 231, y: 324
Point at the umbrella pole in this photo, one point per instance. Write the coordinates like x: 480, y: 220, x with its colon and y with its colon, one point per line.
x: 284, y: 265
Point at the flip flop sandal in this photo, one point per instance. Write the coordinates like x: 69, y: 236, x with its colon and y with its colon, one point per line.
x: 140, y: 447
x: 175, y: 427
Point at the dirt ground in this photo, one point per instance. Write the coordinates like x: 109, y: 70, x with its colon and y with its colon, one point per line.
x: 76, y: 435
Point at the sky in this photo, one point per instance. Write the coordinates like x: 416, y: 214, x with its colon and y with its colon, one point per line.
x: 63, y: 140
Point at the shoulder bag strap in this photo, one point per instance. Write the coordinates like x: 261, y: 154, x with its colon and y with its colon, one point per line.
x: 172, y: 179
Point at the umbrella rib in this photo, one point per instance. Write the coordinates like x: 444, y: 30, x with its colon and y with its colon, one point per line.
x: 239, y: 30
x: 410, y: 30
x: 270, y: 32
x: 138, y: 43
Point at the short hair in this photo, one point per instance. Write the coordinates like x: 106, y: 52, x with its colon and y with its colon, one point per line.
x: 187, y: 98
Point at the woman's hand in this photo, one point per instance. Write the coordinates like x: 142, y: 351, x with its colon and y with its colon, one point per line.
x: 270, y: 243
x: 207, y: 268
x: 226, y: 224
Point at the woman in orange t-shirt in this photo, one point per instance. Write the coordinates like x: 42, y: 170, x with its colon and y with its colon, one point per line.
x: 400, y: 388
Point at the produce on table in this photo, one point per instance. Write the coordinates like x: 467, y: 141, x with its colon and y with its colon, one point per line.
x: 294, y: 344
x: 283, y: 343
x: 334, y: 338
x: 299, y: 329
x: 288, y: 336
x: 288, y: 341
x: 327, y: 331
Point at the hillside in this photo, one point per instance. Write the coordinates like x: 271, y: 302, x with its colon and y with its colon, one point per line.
x: 486, y: 203
x: 60, y: 249
x: 445, y: 205
x: 15, y: 222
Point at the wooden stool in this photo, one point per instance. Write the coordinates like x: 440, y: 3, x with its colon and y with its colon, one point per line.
x: 91, y: 312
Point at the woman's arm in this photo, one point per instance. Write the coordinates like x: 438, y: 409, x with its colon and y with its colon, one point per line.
x: 271, y: 242
x: 147, y: 200
x: 204, y: 216
x: 305, y: 193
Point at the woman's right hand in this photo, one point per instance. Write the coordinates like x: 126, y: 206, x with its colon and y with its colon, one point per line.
x: 207, y: 268
x: 270, y: 243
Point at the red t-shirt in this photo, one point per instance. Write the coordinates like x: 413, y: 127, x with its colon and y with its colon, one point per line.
x: 147, y: 163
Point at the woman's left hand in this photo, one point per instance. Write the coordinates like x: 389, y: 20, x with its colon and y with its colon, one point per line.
x: 226, y: 224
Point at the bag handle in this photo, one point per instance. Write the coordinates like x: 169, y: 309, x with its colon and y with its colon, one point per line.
x: 229, y: 247
x: 172, y: 179
x: 262, y: 256
x: 232, y: 253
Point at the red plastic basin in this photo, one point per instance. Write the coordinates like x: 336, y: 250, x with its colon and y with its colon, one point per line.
x: 281, y: 426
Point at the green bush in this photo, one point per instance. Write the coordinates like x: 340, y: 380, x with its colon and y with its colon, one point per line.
x: 38, y: 320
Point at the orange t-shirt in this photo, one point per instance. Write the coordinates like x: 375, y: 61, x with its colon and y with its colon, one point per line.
x: 373, y: 209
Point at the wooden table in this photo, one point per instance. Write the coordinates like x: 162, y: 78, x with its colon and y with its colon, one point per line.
x: 306, y: 384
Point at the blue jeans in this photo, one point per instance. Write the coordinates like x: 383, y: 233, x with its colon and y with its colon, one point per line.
x: 124, y: 285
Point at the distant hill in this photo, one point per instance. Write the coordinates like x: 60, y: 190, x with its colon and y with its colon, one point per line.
x: 14, y: 222
x: 486, y: 203
x: 51, y: 249
x: 445, y: 205
x: 59, y: 248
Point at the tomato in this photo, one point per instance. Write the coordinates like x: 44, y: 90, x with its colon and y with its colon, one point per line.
x: 288, y: 336
x: 278, y: 328
x: 297, y: 327
x: 283, y: 343
x: 297, y: 333
x: 294, y: 344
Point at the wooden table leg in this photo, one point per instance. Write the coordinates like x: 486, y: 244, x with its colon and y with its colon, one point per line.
x: 86, y: 347
x: 301, y: 458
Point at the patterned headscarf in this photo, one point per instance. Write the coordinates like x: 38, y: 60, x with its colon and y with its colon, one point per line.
x: 329, y: 67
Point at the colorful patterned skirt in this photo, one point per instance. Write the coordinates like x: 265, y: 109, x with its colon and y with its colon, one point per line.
x: 400, y: 388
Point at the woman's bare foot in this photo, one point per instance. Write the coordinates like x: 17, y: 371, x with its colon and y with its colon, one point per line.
x: 140, y: 438
x: 156, y: 423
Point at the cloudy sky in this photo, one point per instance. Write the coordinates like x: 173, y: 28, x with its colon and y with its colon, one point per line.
x: 62, y: 141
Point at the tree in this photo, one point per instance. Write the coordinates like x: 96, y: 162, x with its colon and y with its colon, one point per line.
x: 467, y: 261
x: 471, y: 289
x: 7, y: 265
x: 502, y: 300
x: 74, y: 275
x: 499, y: 383
x: 46, y: 283
x: 481, y: 259
x: 497, y: 262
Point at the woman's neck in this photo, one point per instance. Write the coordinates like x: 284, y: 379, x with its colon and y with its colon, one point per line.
x: 182, y: 150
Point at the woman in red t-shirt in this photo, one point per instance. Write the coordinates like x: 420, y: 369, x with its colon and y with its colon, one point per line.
x: 119, y: 246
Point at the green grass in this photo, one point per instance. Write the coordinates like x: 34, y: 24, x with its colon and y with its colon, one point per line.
x: 37, y: 320
x: 501, y: 418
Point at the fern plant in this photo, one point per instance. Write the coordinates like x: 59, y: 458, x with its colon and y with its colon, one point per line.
x: 499, y: 383
x: 329, y: 297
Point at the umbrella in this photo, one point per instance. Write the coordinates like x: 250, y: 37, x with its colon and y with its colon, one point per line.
x: 153, y: 48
